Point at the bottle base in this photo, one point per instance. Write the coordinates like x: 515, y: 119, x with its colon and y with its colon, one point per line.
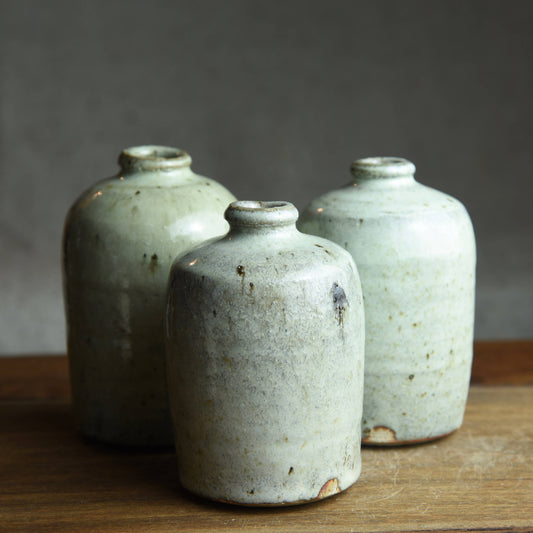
x: 384, y: 436
x: 329, y: 489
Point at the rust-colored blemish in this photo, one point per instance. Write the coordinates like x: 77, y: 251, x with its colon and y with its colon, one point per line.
x: 380, y: 435
x: 329, y: 488
x: 367, y: 442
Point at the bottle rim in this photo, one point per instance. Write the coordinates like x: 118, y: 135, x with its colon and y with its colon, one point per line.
x: 382, y: 167
x: 153, y: 157
x: 261, y: 213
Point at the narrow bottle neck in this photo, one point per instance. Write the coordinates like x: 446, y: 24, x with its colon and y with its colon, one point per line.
x: 261, y: 217
x: 152, y: 158
x: 378, y: 171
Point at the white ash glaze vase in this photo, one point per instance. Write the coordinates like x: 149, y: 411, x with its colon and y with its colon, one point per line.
x: 119, y: 240
x: 265, y: 338
x: 415, y: 251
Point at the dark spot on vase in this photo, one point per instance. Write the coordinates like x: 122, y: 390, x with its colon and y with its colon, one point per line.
x: 137, y: 192
x: 411, y: 377
x: 340, y: 302
x: 322, y: 248
x: 291, y: 470
x: 241, y: 272
x: 153, y: 263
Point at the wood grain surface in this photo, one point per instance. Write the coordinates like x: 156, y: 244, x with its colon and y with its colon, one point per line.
x: 478, y: 479
x: 503, y: 362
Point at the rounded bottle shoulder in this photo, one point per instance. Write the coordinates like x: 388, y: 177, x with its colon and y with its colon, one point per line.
x: 278, y: 256
x: 415, y: 221
x: 124, y: 215
x: 133, y: 200
x: 360, y: 201
x: 152, y: 185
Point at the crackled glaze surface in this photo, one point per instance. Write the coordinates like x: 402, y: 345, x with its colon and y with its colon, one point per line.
x: 415, y: 251
x: 120, y: 239
x: 265, y: 337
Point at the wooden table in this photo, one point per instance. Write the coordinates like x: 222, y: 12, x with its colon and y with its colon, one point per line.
x: 478, y: 479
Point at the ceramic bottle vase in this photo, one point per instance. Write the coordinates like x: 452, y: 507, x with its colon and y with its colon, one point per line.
x: 119, y: 241
x: 415, y: 251
x: 265, y: 339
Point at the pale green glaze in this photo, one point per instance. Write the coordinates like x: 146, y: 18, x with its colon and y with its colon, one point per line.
x: 265, y: 337
x: 415, y: 251
x: 119, y: 241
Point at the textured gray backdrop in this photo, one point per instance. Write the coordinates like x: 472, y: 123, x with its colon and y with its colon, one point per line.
x: 274, y: 99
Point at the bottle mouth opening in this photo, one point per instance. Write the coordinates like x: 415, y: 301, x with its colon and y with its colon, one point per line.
x: 261, y: 213
x: 382, y: 167
x: 251, y: 205
x: 153, y: 157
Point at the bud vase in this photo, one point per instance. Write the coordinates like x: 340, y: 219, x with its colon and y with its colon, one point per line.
x: 415, y: 251
x: 119, y: 241
x: 265, y: 336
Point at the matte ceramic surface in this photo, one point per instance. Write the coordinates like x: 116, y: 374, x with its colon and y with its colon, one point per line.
x: 120, y: 239
x: 265, y: 334
x: 415, y: 251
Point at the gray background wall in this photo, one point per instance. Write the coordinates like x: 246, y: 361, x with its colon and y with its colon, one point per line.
x: 274, y: 99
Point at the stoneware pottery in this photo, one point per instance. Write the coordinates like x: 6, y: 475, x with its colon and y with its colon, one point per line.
x: 415, y: 251
x: 119, y: 241
x: 265, y: 337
